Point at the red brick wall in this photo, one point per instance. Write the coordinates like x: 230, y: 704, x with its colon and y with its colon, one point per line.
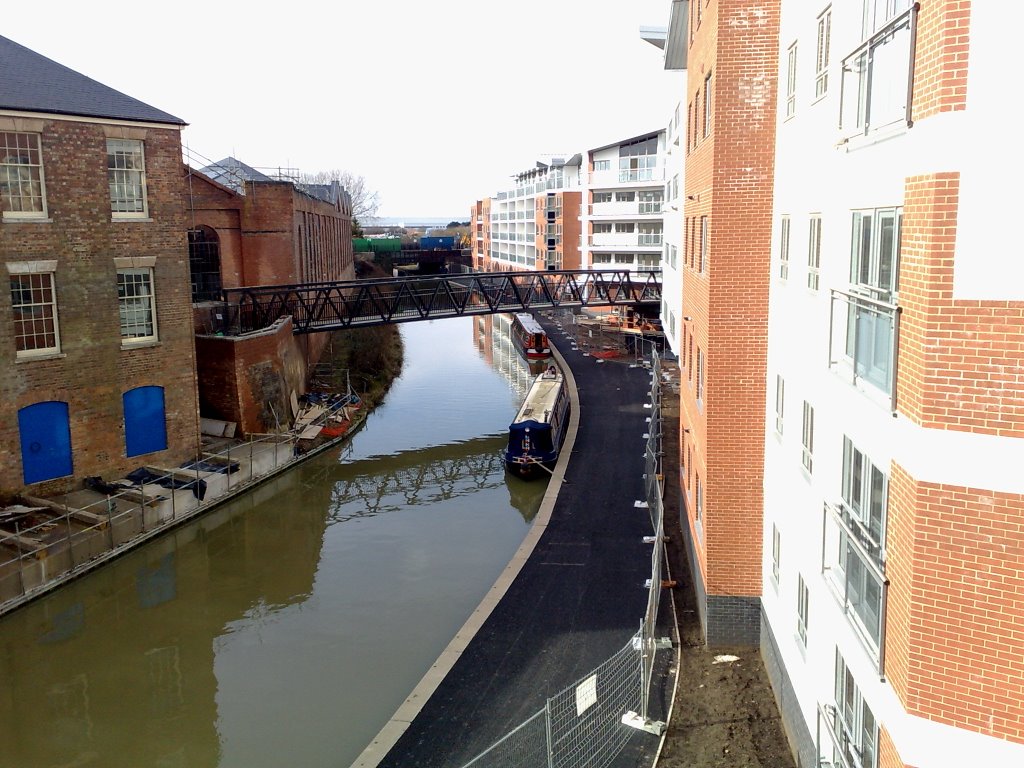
x: 729, y: 179
x: 94, y: 371
x: 959, y: 360
x: 249, y: 380
x: 954, y: 646
x: 940, y: 61
x: 212, y: 205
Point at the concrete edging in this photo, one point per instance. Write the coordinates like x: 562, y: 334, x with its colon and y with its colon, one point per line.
x: 389, y: 735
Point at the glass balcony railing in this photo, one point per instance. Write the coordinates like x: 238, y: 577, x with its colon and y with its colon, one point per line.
x: 854, y: 566
x: 839, y: 745
x: 864, y: 338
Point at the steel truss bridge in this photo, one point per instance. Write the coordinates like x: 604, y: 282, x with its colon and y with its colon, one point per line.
x: 316, y: 307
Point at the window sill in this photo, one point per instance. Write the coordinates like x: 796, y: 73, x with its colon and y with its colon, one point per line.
x: 33, y: 358
x: 129, y: 345
x: 129, y: 219
x: 27, y: 220
x: 862, y: 140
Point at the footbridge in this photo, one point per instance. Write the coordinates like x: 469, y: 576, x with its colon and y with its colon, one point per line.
x: 316, y: 307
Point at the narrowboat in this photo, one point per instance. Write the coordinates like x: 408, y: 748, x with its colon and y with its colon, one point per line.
x: 535, y: 437
x: 530, y: 337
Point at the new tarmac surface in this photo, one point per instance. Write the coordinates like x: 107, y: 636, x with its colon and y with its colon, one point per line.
x: 577, y: 599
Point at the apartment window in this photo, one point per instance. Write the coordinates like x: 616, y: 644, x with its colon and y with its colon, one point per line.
x: 602, y: 165
x: 625, y: 226
x: 34, y: 308
x: 871, y: 318
x: 875, y: 84
x: 673, y: 256
x: 625, y: 197
x: 780, y: 402
x: 700, y: 375
x: 126, y: 175
x: 22, y: 194
x: 690, y: 131
x: 689, y: 360
x: 807, y: 437
x: 136, y: 303
x: 675, y: 187
x: 702, y: 266
x: 602, y: 197
x: 853, y: 727
x: 601, y: 258
x: 651, y: 201
x: 814, y: 252
x: 784, y: 249
x: 602, y: 227
x: 865, y: 492
x: 638, y: 159
x: 699, y: 495
x: 700, y: 7
x: 707, y: 104
x: 803, y: 599
x: 791, y: 81
x: 650, y: 233
x: 776, y: 554
x: 821, y: 60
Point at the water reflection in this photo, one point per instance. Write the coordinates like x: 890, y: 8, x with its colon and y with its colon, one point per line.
x: 287, y: 626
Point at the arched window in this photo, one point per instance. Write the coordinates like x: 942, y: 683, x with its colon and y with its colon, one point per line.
x: 145, y: 425
x: 204, y: 263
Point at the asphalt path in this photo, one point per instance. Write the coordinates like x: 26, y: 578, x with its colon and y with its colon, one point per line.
x: 577, y: 599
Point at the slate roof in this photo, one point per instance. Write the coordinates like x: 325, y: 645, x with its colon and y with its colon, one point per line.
x: 233, y: 173
x: 30, y: 82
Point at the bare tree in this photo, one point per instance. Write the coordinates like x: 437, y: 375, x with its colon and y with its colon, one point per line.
x: 365, y: 201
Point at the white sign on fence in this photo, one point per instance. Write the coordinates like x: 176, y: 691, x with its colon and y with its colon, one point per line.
x: 586, y: 695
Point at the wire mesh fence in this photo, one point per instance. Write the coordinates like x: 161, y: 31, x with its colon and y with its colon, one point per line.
x: 589, y: 723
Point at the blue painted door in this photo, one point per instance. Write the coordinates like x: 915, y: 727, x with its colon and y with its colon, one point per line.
x: 145, y: 427
x: 45, y: 433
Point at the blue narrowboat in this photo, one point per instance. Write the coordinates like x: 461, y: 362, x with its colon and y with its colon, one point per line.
x: 535, y: 437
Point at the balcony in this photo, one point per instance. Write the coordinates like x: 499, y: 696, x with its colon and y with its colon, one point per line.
x: 633, y: 176
x: 621, y: 240
x: 627, y: 209
x: 864, y: 339
x: 853, y: 563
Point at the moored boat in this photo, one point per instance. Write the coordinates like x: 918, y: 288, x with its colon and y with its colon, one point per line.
x: 535, y: 436
x: 530, y: 337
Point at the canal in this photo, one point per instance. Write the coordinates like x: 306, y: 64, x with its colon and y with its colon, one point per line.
x: 285, y: 627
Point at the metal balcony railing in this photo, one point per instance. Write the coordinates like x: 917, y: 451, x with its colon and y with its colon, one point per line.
x: 854, y: 566
x: 864, y: 339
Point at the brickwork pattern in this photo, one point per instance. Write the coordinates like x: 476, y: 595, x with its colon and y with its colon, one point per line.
x: 801, y: 741
x: 94, y: 370
x: 954, y: 643
x: 729, y: 179
x: 888, y: 757
x: 959, y: 360
x: 940, y: 60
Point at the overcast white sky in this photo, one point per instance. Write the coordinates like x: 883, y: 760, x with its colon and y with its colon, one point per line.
x: 435, y: 103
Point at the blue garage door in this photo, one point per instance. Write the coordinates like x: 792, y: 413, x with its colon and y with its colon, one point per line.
x: 145, y: 428
x: 45, y: 441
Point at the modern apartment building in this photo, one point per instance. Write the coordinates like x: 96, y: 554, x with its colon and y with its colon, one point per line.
x: 625, y: 193
x: 893, y: 563
x: 96, y: 345
x: 535, y: 225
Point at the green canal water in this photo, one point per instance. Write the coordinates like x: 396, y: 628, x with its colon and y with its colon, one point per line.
x: 285, y: 627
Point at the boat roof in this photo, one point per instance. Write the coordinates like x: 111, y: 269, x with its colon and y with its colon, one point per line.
x: 528, y: 322
x: 540, y: 400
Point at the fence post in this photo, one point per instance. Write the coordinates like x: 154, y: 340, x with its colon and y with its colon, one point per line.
x: 547, y: 729
x: 21, y: 559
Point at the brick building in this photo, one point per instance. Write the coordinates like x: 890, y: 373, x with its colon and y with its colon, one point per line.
x: 248, y: 229
x: 893, y: 509
x: 96, y: 353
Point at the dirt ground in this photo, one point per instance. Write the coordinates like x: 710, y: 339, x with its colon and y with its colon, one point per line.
x: 724, y: 713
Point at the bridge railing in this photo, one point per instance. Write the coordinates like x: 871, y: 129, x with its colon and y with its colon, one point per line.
x: 359, y: 303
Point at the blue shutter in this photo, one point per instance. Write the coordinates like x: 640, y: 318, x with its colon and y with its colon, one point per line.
x: 145, y: 426
x: 45, y: 433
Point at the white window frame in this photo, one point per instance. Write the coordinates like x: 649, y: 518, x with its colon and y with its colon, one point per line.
x: 602, y: 227
x: 822, y: 57
x: 129, y: 306
x: 602, y: 197
x: 855, y: 725
x: 803, y: 600
x: 780, y: 402
x: 602, y: 165
x: 44, y: 269
x: 700, y: 377
x: 814, y: 252
x: 807, y: 438
x: 791, y: 81
x: 18, y: 170
x: 126, y: 170
x: 702, y: 266
x: 784, y: 227
x: 707, y: 105
x: 776, y: 555
x: 699, y: 496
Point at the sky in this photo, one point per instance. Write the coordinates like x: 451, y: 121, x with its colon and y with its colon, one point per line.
x: 436, y: 104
